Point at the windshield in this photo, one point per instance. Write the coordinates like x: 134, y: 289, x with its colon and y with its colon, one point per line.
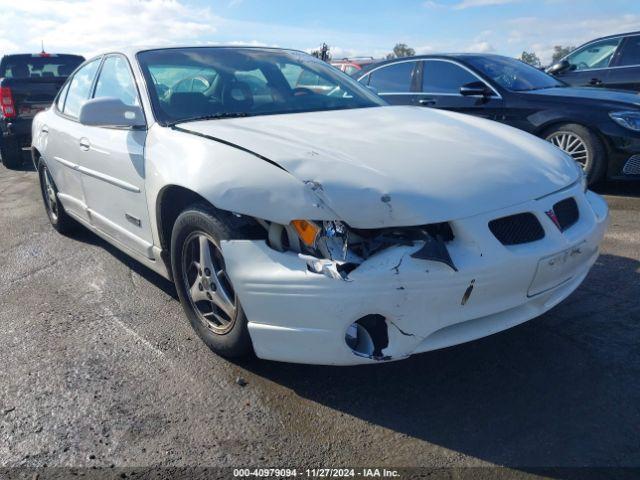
x: 513, y: 74
x: 218, y: 82
x: 39, y: 66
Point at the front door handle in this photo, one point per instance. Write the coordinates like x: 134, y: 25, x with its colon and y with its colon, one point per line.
x: 44, y: 130
x: 427, y: 102
x: 596, y: 82
x: 84, y: 144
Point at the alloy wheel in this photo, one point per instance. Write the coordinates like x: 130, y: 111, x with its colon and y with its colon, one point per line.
x: 206, y: 282
x: 50, y: 196
x: 574, y: 145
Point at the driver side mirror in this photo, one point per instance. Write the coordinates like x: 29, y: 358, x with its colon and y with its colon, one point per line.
x: 560, y: 67
x: 475, y: 89
x: 110, y: 112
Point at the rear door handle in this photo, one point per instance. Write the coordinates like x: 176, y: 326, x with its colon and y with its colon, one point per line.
x: 595, y: 82
x: 44, y: 129
x: 427, y: 102
x: 84, y: 144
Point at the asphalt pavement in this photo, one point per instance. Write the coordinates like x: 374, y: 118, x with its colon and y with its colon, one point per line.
x: 99, y: 367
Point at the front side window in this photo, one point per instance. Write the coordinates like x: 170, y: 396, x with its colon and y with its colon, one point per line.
x: 630, y: 54
x: 192, y: 83
x: 595, y: 55
x: 444, y: 77
x: 513, y: 74
x: 80, y: 88
x: 115, y: 80
x: 395, y: 78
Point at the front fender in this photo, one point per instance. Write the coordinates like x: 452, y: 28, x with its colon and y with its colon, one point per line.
x: 229, y: 178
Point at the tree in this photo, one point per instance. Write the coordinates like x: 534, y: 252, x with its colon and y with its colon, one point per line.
x: 401, y: 50
x: 560, y: 52
x: 323, y: 53
x: 531, y: 58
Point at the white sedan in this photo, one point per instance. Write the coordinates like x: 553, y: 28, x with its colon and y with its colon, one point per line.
x: 302, y: 218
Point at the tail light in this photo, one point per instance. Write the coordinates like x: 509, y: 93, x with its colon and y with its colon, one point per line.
x: 6, y: 103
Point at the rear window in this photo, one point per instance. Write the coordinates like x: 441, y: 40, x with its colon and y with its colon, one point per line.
x: 39, y: 66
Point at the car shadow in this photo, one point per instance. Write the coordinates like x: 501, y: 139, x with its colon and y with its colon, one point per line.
x: 626, y: 188
x: 560, y: 390
x: 84, y: 235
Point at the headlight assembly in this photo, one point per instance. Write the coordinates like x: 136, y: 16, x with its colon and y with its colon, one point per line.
x: 628, y: 119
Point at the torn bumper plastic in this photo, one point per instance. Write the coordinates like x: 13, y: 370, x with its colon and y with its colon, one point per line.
x: 299, y: 315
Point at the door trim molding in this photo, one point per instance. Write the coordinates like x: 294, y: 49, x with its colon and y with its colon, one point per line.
x: 100, y: 176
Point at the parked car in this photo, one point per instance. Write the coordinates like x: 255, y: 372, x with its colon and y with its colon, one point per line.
x: 351, y: 66
x: 611, y: 62
x: 599, y: 128
x: 28, y: 84
x: 311, y: 227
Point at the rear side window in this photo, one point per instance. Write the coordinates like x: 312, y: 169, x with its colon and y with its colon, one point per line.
x: 396, y: 78
x: 630, y: 54
x: 116, y: 81
x: 80, y: 88
x: 62, y: 97
x: 39, y: 66
x: 444, y: 77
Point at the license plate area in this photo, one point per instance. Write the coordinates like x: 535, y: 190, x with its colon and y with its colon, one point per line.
x: 558, y: 268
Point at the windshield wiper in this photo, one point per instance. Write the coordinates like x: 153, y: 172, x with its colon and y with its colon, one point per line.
x: 214, y: 116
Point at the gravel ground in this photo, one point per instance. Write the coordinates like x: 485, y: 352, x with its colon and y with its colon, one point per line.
x: 99, y: 367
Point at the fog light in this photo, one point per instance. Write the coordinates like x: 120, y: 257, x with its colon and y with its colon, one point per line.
x: 368, y: 336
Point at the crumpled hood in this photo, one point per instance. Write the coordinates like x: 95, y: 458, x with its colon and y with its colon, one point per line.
x: 393, y: 166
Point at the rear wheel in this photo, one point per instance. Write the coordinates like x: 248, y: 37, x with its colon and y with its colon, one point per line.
x: 204, y: 287
x: 11, y: 153
x: 583, y: 146
x: 55, y: 211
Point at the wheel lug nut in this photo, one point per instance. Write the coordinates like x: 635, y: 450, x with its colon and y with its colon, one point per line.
x: 207, y: 272
x: 213, y: 286
x: 200, y: 287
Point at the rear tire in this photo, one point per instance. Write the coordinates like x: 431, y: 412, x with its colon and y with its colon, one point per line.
x: 58, y: 217
x: 583, y: 146
x: 11, y: 153
x: 204, y: 288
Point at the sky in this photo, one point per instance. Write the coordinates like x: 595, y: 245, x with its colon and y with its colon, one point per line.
x: 349, y: 27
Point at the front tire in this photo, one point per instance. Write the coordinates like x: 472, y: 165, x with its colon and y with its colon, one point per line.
x: 11, y: 153
x: 58, y: 217
x: 205, y: 290
x: 583, y: 146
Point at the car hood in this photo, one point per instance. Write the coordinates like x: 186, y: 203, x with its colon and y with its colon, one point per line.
x: 392, y: 166
x: 590, y: 94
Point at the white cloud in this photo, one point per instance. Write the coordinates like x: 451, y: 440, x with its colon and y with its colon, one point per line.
x: 90, y: 26
x: 480, y: 3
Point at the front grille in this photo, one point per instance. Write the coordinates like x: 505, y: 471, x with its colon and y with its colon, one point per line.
x: 567, y: 213
x: 517, y: 229
x: 632, y: 167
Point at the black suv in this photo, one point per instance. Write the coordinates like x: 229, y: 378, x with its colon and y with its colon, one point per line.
x: 28, y: 84
x: 612, y: 62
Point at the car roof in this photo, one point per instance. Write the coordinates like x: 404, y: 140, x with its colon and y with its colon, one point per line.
x: 445, y: 56
x: 628, y: 34
x: 131, y: 52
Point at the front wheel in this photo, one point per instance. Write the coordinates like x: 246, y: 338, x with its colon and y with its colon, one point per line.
x: 583, y: 146
x: 205, y: 290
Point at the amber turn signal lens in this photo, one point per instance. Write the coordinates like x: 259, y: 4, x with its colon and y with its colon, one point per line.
x: 307, y: 231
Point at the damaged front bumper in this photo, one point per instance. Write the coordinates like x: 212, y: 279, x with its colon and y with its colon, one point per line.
x: 299, y: 315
